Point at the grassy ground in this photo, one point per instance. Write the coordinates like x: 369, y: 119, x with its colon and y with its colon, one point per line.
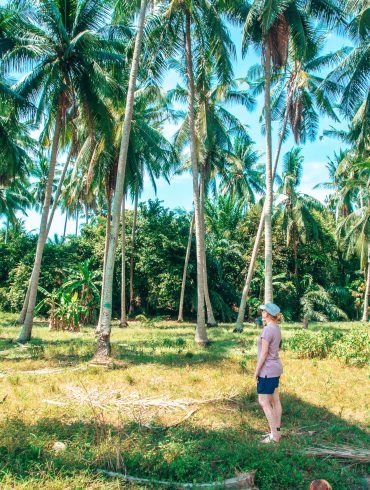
x: 323, y: 402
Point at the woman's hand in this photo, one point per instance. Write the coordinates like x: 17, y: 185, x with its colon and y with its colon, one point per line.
x: 256, y: 373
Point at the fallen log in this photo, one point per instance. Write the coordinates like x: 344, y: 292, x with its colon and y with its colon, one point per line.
x: 244, y: 480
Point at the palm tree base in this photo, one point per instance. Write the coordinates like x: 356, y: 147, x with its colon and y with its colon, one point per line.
x: 104, y: 362
x: 203, y: 343
x: 123, y: 324
x: 213, y: 324
x: 238, y: 328
x: 22, y: 340
x: 103, y: 349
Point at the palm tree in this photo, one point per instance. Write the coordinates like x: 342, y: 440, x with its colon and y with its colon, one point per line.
x: 216, y: 130
x: 341, y: 198
x: 199, y: 28
x: 296, y: 210
x: 242, y: 174
x: 275, y: 26
x: 14, y: 198
x: 104, y: 326
x: 40, y: 173
x: 353, y: 71
x: 67, y: 56
x: 356, y: 226
x: 317, y: 303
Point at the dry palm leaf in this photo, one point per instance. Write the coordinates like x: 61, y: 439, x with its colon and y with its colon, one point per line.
x: 278, y: 39
x: 360, y: 455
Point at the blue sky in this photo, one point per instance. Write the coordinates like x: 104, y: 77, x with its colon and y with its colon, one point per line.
x: 179, y: 192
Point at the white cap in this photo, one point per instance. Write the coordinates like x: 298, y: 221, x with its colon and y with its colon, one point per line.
x: 271, y: 309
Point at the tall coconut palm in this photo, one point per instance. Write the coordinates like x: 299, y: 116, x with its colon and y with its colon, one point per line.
x: 275, y: 26
x: 104, y: 326
x: 68, y: 58
x: 355, y: 227
x: 199, y: 29
x: 216, y: 130
x: 296, y: 209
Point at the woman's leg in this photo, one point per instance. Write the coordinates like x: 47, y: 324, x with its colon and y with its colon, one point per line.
x: 276, y: 407
x: 266, y: 403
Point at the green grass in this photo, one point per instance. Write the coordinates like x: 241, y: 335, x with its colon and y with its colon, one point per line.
x: 324, y: 402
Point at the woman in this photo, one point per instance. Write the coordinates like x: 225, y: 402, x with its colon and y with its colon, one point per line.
x: 269, y: 370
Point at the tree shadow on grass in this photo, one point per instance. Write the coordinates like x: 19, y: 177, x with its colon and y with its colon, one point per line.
x: 186, y: 453
x: 169, y: 349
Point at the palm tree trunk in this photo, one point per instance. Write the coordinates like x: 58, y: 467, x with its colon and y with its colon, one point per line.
x: 22, y: 315
x: 6, y: 230
x: 58, y: 191
x: 257, y: 240
x: 365, y: 315
x: 268, y: 210
x: 132, y: 256
x: 210, y: 316
x: 187, y: 257
x: 201, y: 331
x: 77, y: 216
x: 26, y: 331
x: 295, y: 253
x: 106, y: 245
x: 104, y: 328
x: 123, y: 322
x: 65, y: 226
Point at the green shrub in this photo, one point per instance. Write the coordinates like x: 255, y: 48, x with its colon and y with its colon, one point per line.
x: 354, y: 347
x: 307, y: 344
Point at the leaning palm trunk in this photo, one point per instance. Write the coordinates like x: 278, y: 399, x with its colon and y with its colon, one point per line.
x: 248, y: 281
x: 26, y: 331
x: 201, y: 331
x: 7, y: 231
x: 104, y: 327
x: 65, y: 226
x: 123, y: 322
x: 77, y: 217
x: 184, y: 274
x: 22, y: 316
x: 268, y: 208
x: 132, y: 256
x: 210, y: 316
x: 365, y: 315
x: 58, y: 191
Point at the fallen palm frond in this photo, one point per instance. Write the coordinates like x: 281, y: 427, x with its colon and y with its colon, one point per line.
x: 140, y: 409
x: 113, y: 398
x: 244, y: 480
x: 43, y: 371
x: 361, y: 455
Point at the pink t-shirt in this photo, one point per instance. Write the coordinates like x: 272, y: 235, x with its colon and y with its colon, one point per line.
x: 272, y: 367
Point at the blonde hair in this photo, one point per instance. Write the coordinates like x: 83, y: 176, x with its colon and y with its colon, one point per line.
x: 277, y: 318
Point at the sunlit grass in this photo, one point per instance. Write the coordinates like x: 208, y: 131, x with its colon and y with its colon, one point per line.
x: 324, y: 402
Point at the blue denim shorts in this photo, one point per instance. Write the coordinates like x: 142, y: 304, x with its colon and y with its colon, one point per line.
x: 267, y: 386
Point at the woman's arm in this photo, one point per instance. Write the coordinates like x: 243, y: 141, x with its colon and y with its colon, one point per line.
x: 262, y: 358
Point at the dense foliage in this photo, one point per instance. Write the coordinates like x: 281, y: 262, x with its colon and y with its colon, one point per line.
x: 159, y: 258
